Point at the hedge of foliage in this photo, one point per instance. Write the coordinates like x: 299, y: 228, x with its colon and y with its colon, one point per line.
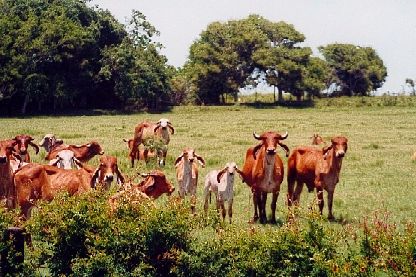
x: 79, y: 236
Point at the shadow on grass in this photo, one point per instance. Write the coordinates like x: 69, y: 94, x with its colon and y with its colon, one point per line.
x: 288, y: 104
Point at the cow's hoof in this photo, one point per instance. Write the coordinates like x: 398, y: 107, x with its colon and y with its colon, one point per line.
x: 331, y: 218
x: 263, y: 220
x: 273, y: 221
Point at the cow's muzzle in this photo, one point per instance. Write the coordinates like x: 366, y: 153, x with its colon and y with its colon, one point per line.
x: 271, y: 151
x: 108, y: 178
x: 3, y: 160
x: 340, y: 154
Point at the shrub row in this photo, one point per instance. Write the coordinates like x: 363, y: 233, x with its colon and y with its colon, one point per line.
x: 81, y: 237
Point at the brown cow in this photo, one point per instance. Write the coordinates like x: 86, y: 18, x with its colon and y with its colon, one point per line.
x: 317, y: 139
x: 23, y: 142
x: 83, y: 153
x: 36, y: 181
x: 6, y: 172
x: 139, y: 154
x: 187, y: 174
x: 263, y: 172
x: 317, y: 168
x: 147, y: 131
x: 152, y: 186
x: 104, y: 174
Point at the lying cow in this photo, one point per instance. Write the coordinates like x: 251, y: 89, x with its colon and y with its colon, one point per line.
x: 66, y: 159
x: 152, y: 186
x: 49, y: 142
x: 36, y: 181
x: 317, y: 168
x: 317, y: 139
x: 187, y: 174
x: 221, y: 183
x: 83, y: 153
x: 22, y: 145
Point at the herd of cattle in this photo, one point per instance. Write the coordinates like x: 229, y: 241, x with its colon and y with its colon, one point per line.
x: 23, y: 182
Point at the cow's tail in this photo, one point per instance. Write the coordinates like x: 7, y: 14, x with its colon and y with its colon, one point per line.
x: 291, y: 176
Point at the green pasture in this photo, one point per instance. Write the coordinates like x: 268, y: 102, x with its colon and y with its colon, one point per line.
x: 377, y: 172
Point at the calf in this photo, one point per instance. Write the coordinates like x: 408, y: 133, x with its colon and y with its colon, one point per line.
x: 49, y: 142
x: 106, y: 171
x: 83, y: 153
x: 317, y: 168
x: 139, y: 154
x: 317, y: 139
x: 23, y: 142
x: 152, y: 186
x: 36, y: 181
x: 66, y: 159
x: 147, y: 131
x: 221, y: 182
x: 7, y: 192
x: 187, y: 174
x: 263, y: 172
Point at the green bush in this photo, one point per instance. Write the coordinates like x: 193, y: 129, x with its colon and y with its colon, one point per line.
x: 80, y: 236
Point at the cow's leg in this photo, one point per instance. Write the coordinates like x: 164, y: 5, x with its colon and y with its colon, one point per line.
x: 273, y: 207
x: 330, y: 200
x: 291, y: 179
x: 256, y: 200
x: 207, y: 195
x: 296, y: 194
x: 320, y: 195
x: 193, y: 196
x: 230, y: 209
x: 146, y: 155
x: 181, y: 190
x: 262, y: 205
x: 222, y: 207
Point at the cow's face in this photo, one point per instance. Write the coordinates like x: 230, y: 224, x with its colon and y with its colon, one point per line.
x: 6, y: 149
x: 270, y: 140
x: 95, y: 148
x: 317, y: 139
x: 65, y: 159
x: 23, y: 142
x: 155, y: 184
x: 340, y: 146
x: 231, y: 168
x: 108, y: 168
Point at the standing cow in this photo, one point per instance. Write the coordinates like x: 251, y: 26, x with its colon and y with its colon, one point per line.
x: 263, y: 172
x: 147, y: 131
x: 187, y: 174
x: 317, y: 168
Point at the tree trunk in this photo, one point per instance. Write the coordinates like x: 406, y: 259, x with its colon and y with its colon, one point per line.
x: 279, y: 95
x: 25, y: 103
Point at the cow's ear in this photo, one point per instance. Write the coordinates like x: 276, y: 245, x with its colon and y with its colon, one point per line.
x: 34, y: 146
x: 284, y: 146
x: 325, y: 151
x: 201, y: 160
x: 77, y: 163
x: 54, y: 162
x: 120, y: 178
x: 171, y: 128
x: 256, y: 149
x: 95, y: 175
x: 178, y: 159
x: 220, y: 174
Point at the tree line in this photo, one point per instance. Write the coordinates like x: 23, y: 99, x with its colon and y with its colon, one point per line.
x: 65, y: 55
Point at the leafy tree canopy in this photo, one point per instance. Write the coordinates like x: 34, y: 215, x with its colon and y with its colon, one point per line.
x: 357, y: 70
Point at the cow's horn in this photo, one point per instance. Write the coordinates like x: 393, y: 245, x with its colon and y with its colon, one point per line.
x: 256, y: 136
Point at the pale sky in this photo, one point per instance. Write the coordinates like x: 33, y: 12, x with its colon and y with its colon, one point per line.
x: 388, y: 26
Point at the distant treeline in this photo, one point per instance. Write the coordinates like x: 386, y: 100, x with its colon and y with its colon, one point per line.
x: 66, y: 55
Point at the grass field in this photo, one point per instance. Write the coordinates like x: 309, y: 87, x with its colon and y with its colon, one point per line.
x: 377, y: 172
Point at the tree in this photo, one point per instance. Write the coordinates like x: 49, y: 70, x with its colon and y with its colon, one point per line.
x: 227, y: 55
x: 221, y: 59
x: 357, y: 70
x: 54, y: 55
